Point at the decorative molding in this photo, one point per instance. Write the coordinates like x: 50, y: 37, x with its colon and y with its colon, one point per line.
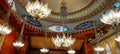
x: 32, y: 30
x: 94, y: 8
x: 83, y: 15
x: 106, y: 36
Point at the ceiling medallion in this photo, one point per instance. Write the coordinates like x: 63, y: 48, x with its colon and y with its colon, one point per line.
x: 80, y: 15
x: 38, y: 10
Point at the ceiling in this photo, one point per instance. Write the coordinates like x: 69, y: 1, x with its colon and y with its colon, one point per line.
x: 72, y: 5
x: 79, y: 12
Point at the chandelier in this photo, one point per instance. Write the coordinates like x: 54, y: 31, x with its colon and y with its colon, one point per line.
x: 5, y: 29
x: 44, y: 50
x: 63, y: 41
x: 18, y: 43
x: 38, y: 10
x: 112, y: 17
x: 71, y: 51
x: 99, y: 49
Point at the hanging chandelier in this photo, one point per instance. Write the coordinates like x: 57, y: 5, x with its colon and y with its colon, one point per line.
x: 71, y: 51
x: 63, y: 41
x: 5, y: 29
x: 44, y: 50
x: 99, y: 49
x: 19, y: 42
x: 112, y: 17
x: 38, y: 10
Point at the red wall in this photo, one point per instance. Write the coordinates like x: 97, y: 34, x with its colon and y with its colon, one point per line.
x: 8, y: 47
x: 88, y: 49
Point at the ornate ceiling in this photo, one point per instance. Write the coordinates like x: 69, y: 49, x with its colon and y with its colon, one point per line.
x: 80, y: 13
x: 72, y: 6
x: 78, y: 10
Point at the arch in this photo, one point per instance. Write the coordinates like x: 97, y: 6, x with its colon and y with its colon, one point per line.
x: 108, y: 49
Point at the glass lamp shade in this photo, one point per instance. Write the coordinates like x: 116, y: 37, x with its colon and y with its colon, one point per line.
x: 18, y: 44
x: 112, y: 17
x: 99, y: 49
x: 5, y: 30
x: 38, y: 10
x: 44, y: 50
x: 63, y: 41
x: 71, y: 51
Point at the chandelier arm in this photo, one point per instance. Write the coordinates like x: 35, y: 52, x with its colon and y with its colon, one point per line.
x: 98, y: 48
x: 96, y: 36
x: 44, y: 49
x: 20, y: 38
x: 45, y: 40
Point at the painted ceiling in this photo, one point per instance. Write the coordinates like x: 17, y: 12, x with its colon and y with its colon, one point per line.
x: 82, y: 14
x: 79, y: 12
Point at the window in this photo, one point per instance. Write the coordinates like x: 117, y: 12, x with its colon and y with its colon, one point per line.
x: 32, y: 22
x: 58, y: 28
x: 84, y: 25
